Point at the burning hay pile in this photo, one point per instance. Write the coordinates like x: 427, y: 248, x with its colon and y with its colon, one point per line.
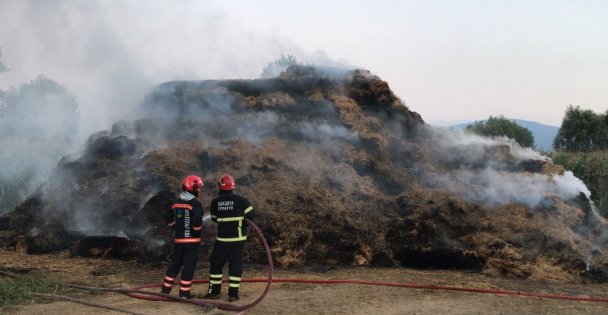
x: 340, y: 172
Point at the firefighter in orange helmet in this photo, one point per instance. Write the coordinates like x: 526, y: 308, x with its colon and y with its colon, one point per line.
x: 185, y: 217
x: 229, y: 211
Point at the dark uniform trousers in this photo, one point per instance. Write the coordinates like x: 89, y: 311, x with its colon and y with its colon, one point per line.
x: 222, y: 252
x: 185, y: 255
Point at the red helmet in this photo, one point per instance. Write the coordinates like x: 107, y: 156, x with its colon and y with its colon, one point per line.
x: 192, y: 183
x: 226, y: 182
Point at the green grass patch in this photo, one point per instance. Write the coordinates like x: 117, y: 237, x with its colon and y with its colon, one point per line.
x: 18, y: 290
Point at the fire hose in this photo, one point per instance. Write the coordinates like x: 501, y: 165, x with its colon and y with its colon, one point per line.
x: 137, y: 291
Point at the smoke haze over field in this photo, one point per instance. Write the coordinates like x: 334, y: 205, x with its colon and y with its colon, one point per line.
x: 2, y: 65
x: 38, y: 124
x: 110, y: 53
x: 107, y: 55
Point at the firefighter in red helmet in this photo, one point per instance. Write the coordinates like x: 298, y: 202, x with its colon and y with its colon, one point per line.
x: 229, y: 211
x: 185, y: 217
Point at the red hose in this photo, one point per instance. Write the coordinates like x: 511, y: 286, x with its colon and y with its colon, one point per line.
x: 400, y: 285
x: 438, y: 287
x: 136, y: 292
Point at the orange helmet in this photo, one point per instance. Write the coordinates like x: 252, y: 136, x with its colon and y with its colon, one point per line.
x: 226, y: 182
x: 192, y: 183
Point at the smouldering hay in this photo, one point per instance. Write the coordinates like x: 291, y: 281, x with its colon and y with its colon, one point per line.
x: 339, y: 171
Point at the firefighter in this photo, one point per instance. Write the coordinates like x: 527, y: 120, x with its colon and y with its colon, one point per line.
x: 229, y: 211
x: 185, y: 217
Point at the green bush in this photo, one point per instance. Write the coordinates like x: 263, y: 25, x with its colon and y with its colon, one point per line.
x: 275, y: 68
x: 501, y: 126
x: 582, y: 130
x: 18, y: 290
x: 591, y: 168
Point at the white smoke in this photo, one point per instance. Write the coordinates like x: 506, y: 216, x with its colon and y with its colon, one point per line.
x: 495, y: 187
x: 487, y: 171
x: 3, y: 67
x: 327, y: 134
x: 108, y: 54
x: 38, y: 123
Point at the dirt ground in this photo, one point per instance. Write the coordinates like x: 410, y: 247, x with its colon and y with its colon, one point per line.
x: 288, y: 298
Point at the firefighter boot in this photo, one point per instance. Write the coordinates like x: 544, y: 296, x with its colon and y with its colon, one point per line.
x: 233, y: 288
x: 167, y: 285
x: 184, y: 289
x: 185, y: 295
x: 233, y: 294
x: 214, y: 291
x: 215, y: 287
x: 165, y: 290
x: 212, y: 295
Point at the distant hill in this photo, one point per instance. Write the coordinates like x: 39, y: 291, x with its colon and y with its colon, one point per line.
x: 543, y: 134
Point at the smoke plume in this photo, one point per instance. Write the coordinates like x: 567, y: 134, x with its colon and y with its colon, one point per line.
x: 489, y: 171
x: 2, y: 65
x: 110, y: 53
x: 38, y: 124
x: 106, y: 55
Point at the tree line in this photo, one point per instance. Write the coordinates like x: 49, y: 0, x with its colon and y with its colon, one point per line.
x: 582, y: 130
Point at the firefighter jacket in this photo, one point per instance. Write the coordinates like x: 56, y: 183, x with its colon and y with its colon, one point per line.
x: 185, y: 216
x: 230, y: 211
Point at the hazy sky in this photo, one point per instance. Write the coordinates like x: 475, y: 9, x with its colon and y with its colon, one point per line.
x: 451, y: 61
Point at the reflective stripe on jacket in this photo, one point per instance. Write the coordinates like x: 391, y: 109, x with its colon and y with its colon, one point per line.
x: 229, y: 210
x: 185, y: 215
